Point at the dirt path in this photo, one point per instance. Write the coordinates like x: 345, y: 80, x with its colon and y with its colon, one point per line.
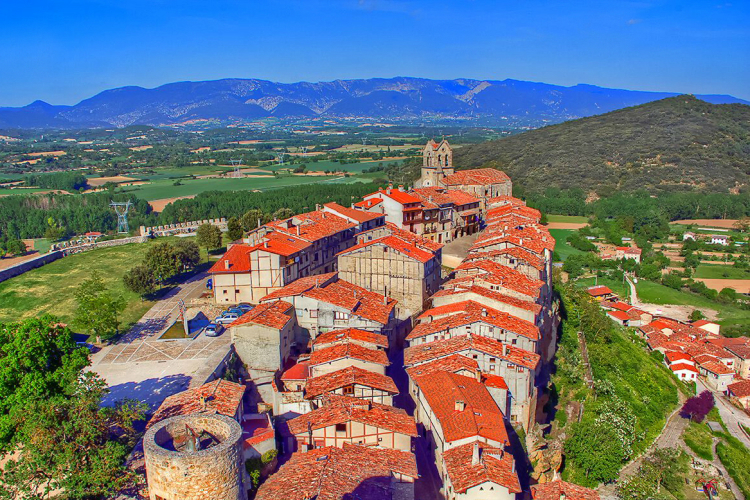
x: 158, y: 205
x: 722, y: 223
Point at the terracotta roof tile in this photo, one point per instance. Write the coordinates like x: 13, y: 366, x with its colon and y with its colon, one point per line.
x: 495, y: 465
x: 337, y: 409
x: 476, y: 177
x: 339, y: 474
x: 349, y: 334
x: 506, y: 200
x: 234, y: 260
x: 367, y: 204
x: 329, y: 382
x: 675, y: 367
x: 416, y: 240
x: 359, y: 216
x: 467, y: 343
x: 717, y: 368
x: 312, y: 226
x: 622, y: 316
x: 348, y: 351
x: 557, y: 489
x: 276, y: 314
x: 463, y: 406
x: 467, y: 286
x: 455, y: 363
x: 519, y: 211
x: 598, y: 291
x: 220, y: 396
x: 298, y: 371
x: 401, y: 197
x: 469, y: 312
x: 673, y: 356
x: 328, y: 288
x: 740, y: 389
x: 395, y: 243
x: 515, y: 252
x: 501, y: 275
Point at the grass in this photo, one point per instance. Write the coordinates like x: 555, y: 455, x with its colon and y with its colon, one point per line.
x: 578, y: 219
x: 736, y: 458
x: 165, y: 188
x: 562, y: 249
x: 718, y: 271
x: 698, y: 437
x: 51, y: 288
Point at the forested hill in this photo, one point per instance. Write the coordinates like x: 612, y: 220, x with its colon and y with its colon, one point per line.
x: 675, y: 144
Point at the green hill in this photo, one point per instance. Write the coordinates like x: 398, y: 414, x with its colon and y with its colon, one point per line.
x: 675, y: 144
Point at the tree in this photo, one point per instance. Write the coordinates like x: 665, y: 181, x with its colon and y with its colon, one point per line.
x: 282, y: 213
x: 234, y: 229
x: 140, y: 280
x: 209, y: 236
x: 672, y: 280
x: 659, y: 468
x: 97, y: 311
x: 16, y: 247
x: 252, y: 219
x: 72, y: 443
x: 188, y: 253
x: 697, y: 407
x: 596, y: 449
x: 163, y: 261
x: 696, y: 315
x: 39, y: 360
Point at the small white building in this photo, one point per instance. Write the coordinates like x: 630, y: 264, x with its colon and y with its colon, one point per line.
x: 719, y: 239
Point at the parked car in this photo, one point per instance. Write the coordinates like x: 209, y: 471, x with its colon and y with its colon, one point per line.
x: 245, y: 306
x: 236, y: 310
x: 213, y: 330
x: 226, y: 318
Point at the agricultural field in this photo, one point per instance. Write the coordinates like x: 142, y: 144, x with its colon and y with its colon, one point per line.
x: 562, y: 249
x: 718, y: 271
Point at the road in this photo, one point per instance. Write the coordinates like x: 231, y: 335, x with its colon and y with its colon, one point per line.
x: 731, y: 415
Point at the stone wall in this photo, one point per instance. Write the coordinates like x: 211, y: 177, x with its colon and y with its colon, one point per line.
x: 73, y: 249
x: 208, y: 474
x: 181, y: 227
x: 28, y: 265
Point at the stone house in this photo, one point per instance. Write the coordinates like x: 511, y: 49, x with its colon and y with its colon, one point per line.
x: 354, y: 382
x: 739, y: 393
x: 343, y: 419
x: 336, y: 357
x: 477, y: 470
x: 325, y: 302
x: 717, y: 375
x: 400, y: 265
x: 399, y: 207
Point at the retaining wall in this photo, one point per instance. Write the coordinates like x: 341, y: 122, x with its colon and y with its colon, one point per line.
x: 28, y: 265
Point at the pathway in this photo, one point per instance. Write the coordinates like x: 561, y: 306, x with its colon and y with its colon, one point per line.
x: 633, y: 292
x: 730, y: 414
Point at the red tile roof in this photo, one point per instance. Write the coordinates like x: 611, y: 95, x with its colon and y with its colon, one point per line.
x: 467, y: 286
x: 312, y: 226
x: 352, y: 375
x: 463, y: 406
x: 298, y: 371
x: 479, y: 176
x: 455, y: 363
x: 419, y: 241
x: 469, y: 312
x: 328, y: 288
x: 514, y: 252
x: 673, y: 356
x: 740, y: 389
x: 675, y: 367
x: 238, y: 257
x: 366, y: 204
x: 494, y: 465
x: 465, y: 344
x: 501, y: 275
x: 535, y: 239
x: 702, y: 322
x: 276, y: 314
x: 557, y: 489
x: 220, y: 396
x: 504, y: 200
x: 598, y: 291
x: 397, y: 244
x: 660, y: 324
x: 359, y: 216
x: 334, y: 473
x: 621, y: 306
x: 717, y: 367
x: 348, y: 351
x: 518, y: 211
x: 401, y: 197
x: 432, y: 197
x: 337, y: 409
x: 349, y: 334
x: 741, y: 351
x: 622, y: 316
x: 459, y: 197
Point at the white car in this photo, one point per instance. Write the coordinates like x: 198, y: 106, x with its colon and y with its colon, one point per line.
x: 226, y: 318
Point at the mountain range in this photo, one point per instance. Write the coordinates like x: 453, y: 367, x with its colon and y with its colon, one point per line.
x: 235, y: 101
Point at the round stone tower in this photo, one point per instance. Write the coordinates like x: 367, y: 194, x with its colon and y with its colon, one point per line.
x: 194, y: 457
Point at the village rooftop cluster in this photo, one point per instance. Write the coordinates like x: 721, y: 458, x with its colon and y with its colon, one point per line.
x: 362, y: 353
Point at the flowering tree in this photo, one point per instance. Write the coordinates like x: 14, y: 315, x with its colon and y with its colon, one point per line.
x: 697, y: 407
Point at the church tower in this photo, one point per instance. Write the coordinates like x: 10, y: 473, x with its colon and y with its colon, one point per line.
x: 437, y: 162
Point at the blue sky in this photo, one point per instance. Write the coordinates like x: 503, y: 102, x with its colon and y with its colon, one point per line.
x: 65, y: 51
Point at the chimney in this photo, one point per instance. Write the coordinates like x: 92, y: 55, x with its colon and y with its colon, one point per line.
x: 475, y: 454
x: 401, y: 187
x: 297, y: 230
x: 258, y: 222
x: 317, y: 207
x: 479, y: 376
x: 484, y: 313
x: 506, y: 349
x: 265, y: 243
x: 203, y: 403
x: 460, y: 406
x: 385, y: 300
x: 226, y: 264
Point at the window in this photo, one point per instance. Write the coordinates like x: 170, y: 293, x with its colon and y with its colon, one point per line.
x: 236, y: 291
x: 340, y: 428
x: 313, y: 313
x: 225, y: 291
x: 340, y: 315
x: 349, y: 390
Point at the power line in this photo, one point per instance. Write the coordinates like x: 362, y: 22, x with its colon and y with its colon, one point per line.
x: 121, y: 209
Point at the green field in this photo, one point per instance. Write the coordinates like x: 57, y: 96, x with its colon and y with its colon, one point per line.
x: 718, y: 271
x: 562, y: 249
x: 577, y: 219
x: 50, y: 289
x: 165, y: 188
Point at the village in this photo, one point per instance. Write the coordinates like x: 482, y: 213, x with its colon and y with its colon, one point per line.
x: 364, y: 367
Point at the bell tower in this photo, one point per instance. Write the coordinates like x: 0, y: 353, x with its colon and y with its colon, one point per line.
x: 437, y: 162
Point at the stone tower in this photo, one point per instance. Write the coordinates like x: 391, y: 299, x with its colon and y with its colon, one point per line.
x: 437, y: 162
x: 195, y: 457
